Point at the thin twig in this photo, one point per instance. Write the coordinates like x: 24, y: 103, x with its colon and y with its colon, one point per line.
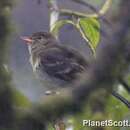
x: 86, y: 4
x: 97, y: 14
x: 54, y: 14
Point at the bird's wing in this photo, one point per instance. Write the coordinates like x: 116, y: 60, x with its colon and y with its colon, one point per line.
x: 62, y: 63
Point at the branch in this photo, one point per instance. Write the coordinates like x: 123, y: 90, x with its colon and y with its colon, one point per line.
x: 54, y: 14
x: 97, y: 14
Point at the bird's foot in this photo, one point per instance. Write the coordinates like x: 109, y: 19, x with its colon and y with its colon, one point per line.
x: 52, y: 93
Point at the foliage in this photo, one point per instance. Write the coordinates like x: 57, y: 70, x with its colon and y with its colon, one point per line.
x: 90, y: 30
x: 87, y: 25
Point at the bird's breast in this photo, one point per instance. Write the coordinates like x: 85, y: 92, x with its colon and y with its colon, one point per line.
x: 48, y: 81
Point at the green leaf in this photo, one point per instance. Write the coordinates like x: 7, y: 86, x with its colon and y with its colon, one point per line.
x: 90, y: 28
x: 58, y: 25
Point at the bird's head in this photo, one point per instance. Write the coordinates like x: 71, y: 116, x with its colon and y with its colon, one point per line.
x: 38, y: 41
x: 38, y: 38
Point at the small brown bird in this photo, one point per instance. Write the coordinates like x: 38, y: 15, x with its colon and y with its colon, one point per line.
x: 57, y: 65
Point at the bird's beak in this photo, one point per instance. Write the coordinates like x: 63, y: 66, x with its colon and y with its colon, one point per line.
x: 28, y: 40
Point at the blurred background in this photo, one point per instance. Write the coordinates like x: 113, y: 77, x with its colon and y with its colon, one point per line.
x: 29, y: 16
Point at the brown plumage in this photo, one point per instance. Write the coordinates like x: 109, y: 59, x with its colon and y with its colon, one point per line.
x: 57, y: 65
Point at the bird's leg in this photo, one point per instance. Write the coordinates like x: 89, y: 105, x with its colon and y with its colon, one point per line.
x: 124, y: 84
x: 48, y: 93
x: 121, y: 98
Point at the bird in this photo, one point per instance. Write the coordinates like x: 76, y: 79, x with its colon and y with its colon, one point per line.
x: 56, y: 65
